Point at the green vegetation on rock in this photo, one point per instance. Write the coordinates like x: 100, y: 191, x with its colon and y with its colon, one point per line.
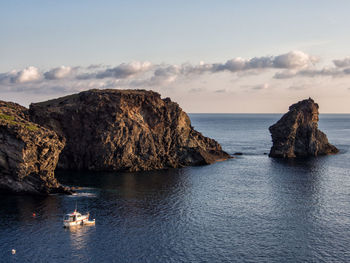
x: 11, y: 120
x: 6, y: 117
x: 32, y: 127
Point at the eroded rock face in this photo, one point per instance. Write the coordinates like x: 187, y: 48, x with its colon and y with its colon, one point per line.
x: 296, y: 134
x: 28, y: 153
x: 130, y: 130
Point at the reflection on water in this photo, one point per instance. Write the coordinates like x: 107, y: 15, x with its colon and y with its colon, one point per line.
x: 307, y: 201
x: 79, y: 236
x: 301, y: 176
x: 28, y: 209
x: 83, y: 194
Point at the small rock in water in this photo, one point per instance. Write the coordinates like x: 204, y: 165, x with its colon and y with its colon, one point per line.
x: 13, y: 251
x: 238, y: 153
x: 296, y: 134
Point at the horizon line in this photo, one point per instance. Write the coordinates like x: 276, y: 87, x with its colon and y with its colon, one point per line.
x: 335, y: 113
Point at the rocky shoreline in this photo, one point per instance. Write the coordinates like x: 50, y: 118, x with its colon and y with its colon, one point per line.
x: 124, y: 130
x: 28, y: 153
x: 97, y: 130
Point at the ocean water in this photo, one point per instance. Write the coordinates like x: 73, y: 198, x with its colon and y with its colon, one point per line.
x: 248, y: 209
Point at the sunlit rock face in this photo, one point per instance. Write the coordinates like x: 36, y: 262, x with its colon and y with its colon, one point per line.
x: 296, y: 134
x: 28, y: 153
x: 130, y: 130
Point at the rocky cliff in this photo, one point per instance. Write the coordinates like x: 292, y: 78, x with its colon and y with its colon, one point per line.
x: 130, y: 130
x: 28, y: 153
x: 296, y: 134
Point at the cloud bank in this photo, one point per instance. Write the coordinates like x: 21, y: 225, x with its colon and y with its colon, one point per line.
x: 311, y: 73
x: 341, y: 68
x: 145, y: 74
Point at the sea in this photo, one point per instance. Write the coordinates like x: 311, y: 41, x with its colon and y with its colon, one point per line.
x: 248, y: 209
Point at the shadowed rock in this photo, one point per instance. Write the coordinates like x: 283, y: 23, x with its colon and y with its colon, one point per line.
x: 28, y: 153
x: 296, y: 134
x: 131, y: 130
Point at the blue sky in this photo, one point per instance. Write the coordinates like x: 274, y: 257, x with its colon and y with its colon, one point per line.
x: 47, y: 35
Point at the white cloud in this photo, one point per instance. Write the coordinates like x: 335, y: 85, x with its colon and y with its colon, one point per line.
x: 342, y: 63
x: 26, y: 75
x: 294, y: 59
x: 124, y: 70
x: 233, y: 65
x: 165, y: 75
x: 291, y: 60
x: 59, y: 73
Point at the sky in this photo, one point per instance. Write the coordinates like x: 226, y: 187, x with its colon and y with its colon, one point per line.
x: 209, y: 56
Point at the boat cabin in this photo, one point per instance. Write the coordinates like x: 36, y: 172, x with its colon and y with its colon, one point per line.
x: 75, y: 216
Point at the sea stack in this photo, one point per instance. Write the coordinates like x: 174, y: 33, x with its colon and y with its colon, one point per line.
x: 124, y: 130
x: 296, y: 134
x: 28, y: 153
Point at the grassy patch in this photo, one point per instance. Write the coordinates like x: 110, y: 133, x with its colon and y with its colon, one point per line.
x: 32, y: 127
x: 11, y: 120
x: 6, y: 117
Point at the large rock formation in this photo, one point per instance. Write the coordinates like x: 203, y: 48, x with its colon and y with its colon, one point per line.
x: 296, y: 134
x: 130, y: 130
x: 28, y: 153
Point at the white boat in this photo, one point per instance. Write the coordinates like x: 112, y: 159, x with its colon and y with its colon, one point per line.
x: 75, y: 219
